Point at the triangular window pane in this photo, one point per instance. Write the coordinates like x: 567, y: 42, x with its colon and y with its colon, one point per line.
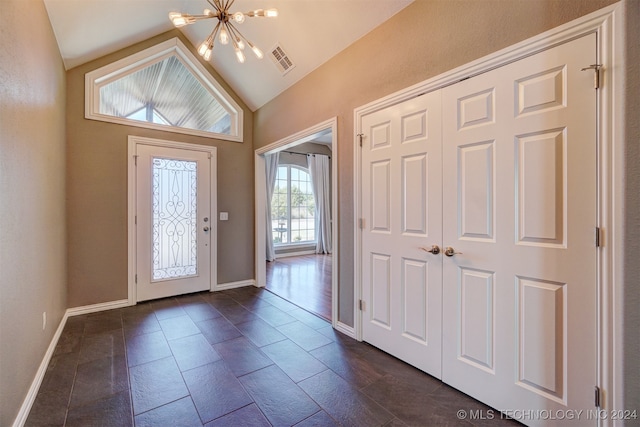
x: 165, y: 89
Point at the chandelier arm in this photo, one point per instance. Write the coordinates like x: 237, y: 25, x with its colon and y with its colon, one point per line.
x: 218, y: 6
x: 253, y: 47
x: 234, y: 41
x: 239, y: 35
x: 229, y: 4
x: 235, y: 34
x: 214, y: 33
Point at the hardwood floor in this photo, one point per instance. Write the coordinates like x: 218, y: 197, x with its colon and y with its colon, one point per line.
x: 303, y: 280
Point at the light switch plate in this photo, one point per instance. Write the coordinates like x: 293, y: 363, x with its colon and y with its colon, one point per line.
x: 224, y: 216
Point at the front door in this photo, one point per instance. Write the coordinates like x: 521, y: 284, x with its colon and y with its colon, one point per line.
x: 401, y: 200
x: 173, y: 221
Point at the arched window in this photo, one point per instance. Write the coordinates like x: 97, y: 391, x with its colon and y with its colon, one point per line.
x: 292, y: 207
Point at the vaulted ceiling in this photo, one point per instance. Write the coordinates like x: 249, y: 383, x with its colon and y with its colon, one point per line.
x: 309, y: 31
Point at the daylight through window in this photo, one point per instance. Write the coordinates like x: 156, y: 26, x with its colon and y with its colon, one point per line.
x: 293, y: 207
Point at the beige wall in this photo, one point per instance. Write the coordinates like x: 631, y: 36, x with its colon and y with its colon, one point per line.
x: 32, y: 209
x: 423, y: 40
x: 97, y: 193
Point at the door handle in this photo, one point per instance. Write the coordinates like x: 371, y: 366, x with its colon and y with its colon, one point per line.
x: 449, y: 251
x: 435, y: 249
x: 206, y: 229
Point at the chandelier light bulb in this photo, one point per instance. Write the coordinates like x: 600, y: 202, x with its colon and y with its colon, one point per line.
x: 203, y: 48
x: 178, y: 19
x: 258, y: 12
x: 224, y: 36
x: 239, y: 17
x: 240, y: 44
x: 239, y: 55
x: 207, y: 54
x: 257, y: 52
x: 271, y: 13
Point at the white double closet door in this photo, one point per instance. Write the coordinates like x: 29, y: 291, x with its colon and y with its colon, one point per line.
x: 501, y: 170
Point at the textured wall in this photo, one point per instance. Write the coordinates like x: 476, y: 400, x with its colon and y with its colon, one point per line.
x: 32, y: 194
x: 423, y: 40
x: 631, y: 293
x: 97, y: 193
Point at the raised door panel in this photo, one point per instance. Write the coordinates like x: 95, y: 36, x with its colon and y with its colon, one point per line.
x: 476, y: 318
x: 541, y: 337
x: 476, y: 190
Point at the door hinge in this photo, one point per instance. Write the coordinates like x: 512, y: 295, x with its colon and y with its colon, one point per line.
x: 136, y: 278
x: 135, y: 160
x: 361, y: 223
x: 596, y: 72
x: 135, y: 221
x: 360, y: 135
x: 597, y: 396
x: 597, y: 237
x: 361, y: 305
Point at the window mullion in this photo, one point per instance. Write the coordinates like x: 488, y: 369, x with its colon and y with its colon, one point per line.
x: 289, y: 224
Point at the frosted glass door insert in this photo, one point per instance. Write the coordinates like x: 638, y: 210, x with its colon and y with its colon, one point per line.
x: 174, y: 226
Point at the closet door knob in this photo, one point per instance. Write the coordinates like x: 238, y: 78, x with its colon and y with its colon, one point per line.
x: 449, y: 251
x: 435, y: 249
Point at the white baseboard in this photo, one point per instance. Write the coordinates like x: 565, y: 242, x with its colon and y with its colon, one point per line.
x: 23, y: 414
x: 27, y: 404
x: 233, y: 285
x: 298, y: 253
x: 345, y: 329
x: 94, y: 308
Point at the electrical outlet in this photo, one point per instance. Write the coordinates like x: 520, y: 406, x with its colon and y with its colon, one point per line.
x: 44, y: 320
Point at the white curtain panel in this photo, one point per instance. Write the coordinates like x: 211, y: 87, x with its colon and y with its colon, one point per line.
x: 271, y: 166
x: 320, y: 178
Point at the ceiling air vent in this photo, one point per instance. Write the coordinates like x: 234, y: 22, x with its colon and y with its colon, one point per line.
x: 282, y: 61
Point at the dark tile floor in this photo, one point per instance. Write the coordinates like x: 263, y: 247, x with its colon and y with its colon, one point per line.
x: 242, y: 357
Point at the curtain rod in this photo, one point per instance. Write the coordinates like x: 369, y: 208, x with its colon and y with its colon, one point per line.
x: 305, y: 154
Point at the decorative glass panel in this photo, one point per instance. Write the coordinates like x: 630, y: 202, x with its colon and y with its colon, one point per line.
x: 174, y: 225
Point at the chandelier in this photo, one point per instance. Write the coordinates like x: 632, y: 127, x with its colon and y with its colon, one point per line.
x: 225, y: 30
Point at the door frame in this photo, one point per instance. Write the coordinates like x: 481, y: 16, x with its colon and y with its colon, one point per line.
x: 607, y: 24
x: 305, y: 135
x: 133, y: 142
